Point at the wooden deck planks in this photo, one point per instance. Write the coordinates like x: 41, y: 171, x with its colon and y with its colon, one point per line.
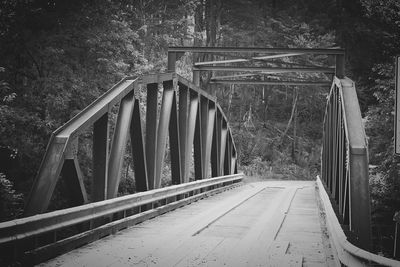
x: 274, y: 223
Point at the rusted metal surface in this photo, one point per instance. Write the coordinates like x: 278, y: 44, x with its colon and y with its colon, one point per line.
x: 345, y: 160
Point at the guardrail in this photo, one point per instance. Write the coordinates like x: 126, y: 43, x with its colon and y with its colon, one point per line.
x: 40, y: 237
x: 396, y: 245
x: 345, y: 161
x: 347, y: 254
x: 176, y: 107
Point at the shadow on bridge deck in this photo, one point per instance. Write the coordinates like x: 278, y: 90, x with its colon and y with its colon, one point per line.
x: 270, y: 223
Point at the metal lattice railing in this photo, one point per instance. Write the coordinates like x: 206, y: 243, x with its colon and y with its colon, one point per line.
x: 345, y: 161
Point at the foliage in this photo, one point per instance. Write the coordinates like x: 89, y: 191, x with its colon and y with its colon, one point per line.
x: 58, y: 56
x: 373, y: 41
x: 10, y: 201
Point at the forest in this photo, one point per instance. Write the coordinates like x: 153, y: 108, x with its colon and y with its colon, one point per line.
x: 56, y: 57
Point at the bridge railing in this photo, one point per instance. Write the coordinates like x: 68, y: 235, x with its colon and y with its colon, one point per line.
x: 345, y: 162
x: 37, y: 238
x: 345, y: 252
x: 176, y: 110
x: 193, y: 121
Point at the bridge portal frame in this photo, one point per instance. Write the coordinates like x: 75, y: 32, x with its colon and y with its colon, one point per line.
x: 175, y: 52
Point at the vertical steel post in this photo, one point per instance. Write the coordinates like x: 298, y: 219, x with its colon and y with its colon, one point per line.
x: 196, y: 77
x: 198, y: 165
x: 340, y: 66
x: 224, y: 137
x: 183, y: 128
x: 138, y: 151
x: 100, y: 158
x: 151, y: 132
x: 227, y: 160
x: 342, y: 173
x: 175, y: 140
x: 171, y: 61
x: 119, y: 142
x: 163, y: 127
x: 192, y: 122
x: 334, y: 142
x: 204, y: 135
x: 209, y: 137
x: 360, y: 217
x: 215, y: 154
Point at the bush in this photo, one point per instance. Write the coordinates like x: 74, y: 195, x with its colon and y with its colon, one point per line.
x: 11, y: 203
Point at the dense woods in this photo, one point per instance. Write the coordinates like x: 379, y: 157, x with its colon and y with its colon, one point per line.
x: 57, y: 56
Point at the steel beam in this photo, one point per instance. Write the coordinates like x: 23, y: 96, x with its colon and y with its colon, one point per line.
x: 118, y: 147
x: 191, y: 129
x: 227, y: 159
x: 238, y: 60
x: 163, y: 126
x: 72, y: 175
x: 138, y: 150
x: 151, y: 132
x: 95, y: 110
x: 269, y: 69
x: 198, y: 165
x: 359, y: 196
x: 171, y: 61
x: 100, y: 158
x: 215, y: 154
x: 196, y: 77
x: 334, y: 142
x: 342, y: 163
x: 315, y: 51
x: 184, y: 100
x: 46, y: 180
x: 204, y: 103
x: 209, y: 137
x: 340, y: 66
x: 286, y: 83
x: 174, y: 140
x: 224, y: 135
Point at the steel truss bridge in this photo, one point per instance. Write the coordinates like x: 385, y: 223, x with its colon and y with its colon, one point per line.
x: 231, y: 221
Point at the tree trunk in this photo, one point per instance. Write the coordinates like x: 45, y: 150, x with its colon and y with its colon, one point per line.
x: 296, y: 94
x: 294, y: 143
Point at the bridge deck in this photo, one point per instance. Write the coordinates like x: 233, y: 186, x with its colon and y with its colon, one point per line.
x: 273, y: 223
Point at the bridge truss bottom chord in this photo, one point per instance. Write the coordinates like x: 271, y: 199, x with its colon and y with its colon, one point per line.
x: 273, y: 223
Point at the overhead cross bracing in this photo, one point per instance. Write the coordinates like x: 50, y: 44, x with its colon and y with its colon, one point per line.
x: 268, y: 61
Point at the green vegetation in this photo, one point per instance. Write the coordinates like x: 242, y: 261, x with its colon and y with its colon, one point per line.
x: 57, y: 56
